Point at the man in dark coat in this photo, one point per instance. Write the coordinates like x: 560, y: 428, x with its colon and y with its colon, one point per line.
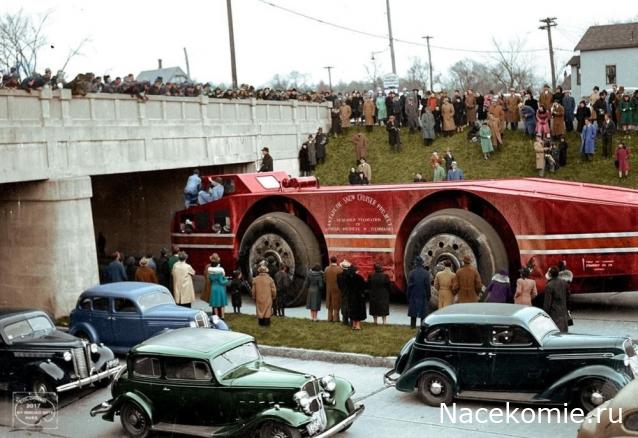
x: 418, y: 292
x: 115, y: 270
x: 266, y: 161
x: 343, y: 288
x: 555, y: 302
x: 321, y: 140
x: 570, y: 109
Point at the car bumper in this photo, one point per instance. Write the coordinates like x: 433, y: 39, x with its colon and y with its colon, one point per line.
x: 102, y: 408
x: 343, y: 424
x: 91, y: 379
x: 390, y: 378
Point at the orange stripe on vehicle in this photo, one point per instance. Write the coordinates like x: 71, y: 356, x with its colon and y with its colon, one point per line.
x: 616, y: 242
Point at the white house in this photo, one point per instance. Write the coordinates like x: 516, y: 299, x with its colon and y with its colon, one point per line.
x: 606, y: 55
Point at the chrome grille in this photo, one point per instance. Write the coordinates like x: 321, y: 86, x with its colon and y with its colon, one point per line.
x: 79, y: 362
x: 312, y: 388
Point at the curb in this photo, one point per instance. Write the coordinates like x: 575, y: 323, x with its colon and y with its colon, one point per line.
x: 328, y: 356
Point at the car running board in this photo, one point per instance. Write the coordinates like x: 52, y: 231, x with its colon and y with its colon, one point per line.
x: 521, y: 397
x: 186, y: 429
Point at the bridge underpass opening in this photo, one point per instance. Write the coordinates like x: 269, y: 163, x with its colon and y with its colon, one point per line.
x: 133, y: 211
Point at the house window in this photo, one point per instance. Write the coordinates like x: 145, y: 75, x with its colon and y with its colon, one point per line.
x: 610, y: 74
x: 578, y: 75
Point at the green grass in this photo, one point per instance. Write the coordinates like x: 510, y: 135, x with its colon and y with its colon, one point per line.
x: 515, y: 159
x: 376, y: 340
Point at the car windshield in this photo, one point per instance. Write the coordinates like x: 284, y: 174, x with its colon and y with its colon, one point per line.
x: 155, y: 299
x: 541, y: 325
x: 236, y: 357
x: 34, y: 327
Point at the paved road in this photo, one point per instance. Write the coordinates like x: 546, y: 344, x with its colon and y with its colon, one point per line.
x: 388, y: 412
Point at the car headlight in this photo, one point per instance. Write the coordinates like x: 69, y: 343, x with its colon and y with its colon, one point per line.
x: 67, y: 356
x: 192, y: 324
x: 328, y: 383
x: 302, y: 399
x: 93, y: 348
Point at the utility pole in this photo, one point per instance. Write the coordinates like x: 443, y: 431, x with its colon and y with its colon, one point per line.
x: 188, y: 67
x: 427, y: 39
x: 231, y: 37
x: 394, y: 66
x: 549, y: 23
x: 329, y: 68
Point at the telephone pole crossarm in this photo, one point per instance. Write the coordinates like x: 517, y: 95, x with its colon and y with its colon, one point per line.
x: 549, y: 23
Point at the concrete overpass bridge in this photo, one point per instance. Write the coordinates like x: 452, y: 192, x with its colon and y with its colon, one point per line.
x: 73, y: 166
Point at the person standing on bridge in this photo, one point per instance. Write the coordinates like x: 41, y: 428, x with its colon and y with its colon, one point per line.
x: 193, y: 184
x: 183, y: 290
x: 266, y: 161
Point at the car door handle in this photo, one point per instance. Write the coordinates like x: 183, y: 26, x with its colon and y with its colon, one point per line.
x: 491, y: 354
x: 481, y: 354
x: 166, y: 389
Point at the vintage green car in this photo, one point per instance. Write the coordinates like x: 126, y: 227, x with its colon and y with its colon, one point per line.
x: 508, y: 352
x: 215, y: 383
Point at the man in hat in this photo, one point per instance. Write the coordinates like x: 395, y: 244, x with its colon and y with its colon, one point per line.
x: 418, y: 292
x: 455, y: 173
x: 183, y: 289
x: 343, y: 288
x: 266, y: 161
x: 115, y: 270
x: 467, y: 285
x: 144, y: 273
x: 333, y: 293
x: 263, y: 292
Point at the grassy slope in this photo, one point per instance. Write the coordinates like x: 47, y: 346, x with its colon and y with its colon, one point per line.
x: 376, y: 340
x: 516, y: 159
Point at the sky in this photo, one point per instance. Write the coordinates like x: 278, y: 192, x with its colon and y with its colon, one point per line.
x: 130, y: 36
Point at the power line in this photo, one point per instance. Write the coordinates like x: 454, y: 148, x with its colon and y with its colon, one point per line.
x: 398, y: 40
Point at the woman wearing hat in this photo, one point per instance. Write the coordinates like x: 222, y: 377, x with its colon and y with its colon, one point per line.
x: 218, y: 281
x: 499, y: 289
x: 144, y: 273
x: 263, y: 292
x: 314, y: 284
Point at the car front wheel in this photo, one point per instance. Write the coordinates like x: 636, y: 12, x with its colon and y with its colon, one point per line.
x: 435, y: 388
x: 594, y: 392
x: 273, y: 429
x: 134, y: 420
x: 41, y: 386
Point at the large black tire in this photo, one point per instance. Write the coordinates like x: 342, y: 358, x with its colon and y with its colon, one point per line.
x: 450, y: 234
x: 286, y: 239
x: 134, y: 420
x: 274, y: 429
x: 435, y: 388
x: 604, y: 390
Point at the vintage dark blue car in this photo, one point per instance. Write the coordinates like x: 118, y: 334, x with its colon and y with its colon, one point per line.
x: 510, y: 353
x: 124, y: 314
x: 36, y: 357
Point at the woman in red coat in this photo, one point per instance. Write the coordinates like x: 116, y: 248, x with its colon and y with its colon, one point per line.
x: 622, y: 160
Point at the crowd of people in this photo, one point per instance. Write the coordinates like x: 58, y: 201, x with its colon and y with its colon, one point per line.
x: 90, y: 83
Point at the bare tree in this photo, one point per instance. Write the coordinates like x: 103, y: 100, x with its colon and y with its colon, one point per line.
x: 468, y: 73
x: 73, y: 52
x: 21, y: 38
x: 373, y: 72
x: 417, y: 74
x: 511, y: 67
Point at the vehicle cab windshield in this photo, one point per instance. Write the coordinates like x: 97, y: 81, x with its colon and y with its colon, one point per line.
x: 30, y: 328
x: 234, y: 358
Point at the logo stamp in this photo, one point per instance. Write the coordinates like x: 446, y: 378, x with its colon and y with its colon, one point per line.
x: 35, y: 411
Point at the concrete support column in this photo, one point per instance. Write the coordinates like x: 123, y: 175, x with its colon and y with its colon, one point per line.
x: 46, y: 236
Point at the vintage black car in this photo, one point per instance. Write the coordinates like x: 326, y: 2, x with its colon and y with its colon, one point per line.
x: 198, y: 382
x: 511, y: 353
x: 35, y: 356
